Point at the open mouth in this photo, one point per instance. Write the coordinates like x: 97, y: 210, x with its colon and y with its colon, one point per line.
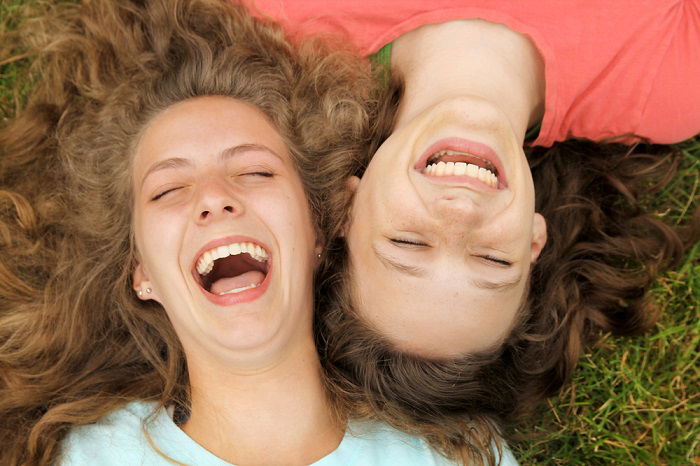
x: 453, y: 163
x: 456, y: 160
x: 232, y: 268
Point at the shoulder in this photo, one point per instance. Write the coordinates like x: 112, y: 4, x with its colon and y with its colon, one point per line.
x: 117, y: 438
x: 379, y: 444
x: 139, y: 433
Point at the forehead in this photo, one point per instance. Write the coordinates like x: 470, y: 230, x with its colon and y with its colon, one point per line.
x: 204, y: 125
x: 439, y: 313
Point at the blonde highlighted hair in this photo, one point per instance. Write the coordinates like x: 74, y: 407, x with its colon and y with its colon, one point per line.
x: 75, y: 343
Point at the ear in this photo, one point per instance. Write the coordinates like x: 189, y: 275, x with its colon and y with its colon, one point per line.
x: 142, y: 285
x: 539, y: 236
x: 318, y: 250
x: 351, y: 185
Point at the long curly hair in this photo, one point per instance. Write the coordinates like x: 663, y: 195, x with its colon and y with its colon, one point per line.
x: 602, y: 255
x: 75, y: 343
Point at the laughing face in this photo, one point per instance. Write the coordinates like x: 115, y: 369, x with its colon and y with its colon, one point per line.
x: 223, y: 230
x: 443, y: 231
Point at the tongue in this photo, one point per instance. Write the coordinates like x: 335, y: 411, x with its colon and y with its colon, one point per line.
x: 223, y: 285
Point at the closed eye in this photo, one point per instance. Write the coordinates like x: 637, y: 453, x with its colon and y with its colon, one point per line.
x: 497, y: 261
x: 259, y: 173
x: 406, y: 242
x: 169, y: 190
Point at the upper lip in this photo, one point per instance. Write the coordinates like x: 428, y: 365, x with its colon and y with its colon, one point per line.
x: 223, y: 242
x: 477, y: 149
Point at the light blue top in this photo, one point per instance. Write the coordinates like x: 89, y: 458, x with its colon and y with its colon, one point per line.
x: 119, y: 439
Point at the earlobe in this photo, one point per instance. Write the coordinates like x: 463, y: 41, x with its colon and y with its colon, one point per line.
x: 539, y: 236
x: 142, y: 285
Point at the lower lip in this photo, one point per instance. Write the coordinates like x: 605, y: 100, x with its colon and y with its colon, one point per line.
x: 470, y: 147
x: 241, y: 297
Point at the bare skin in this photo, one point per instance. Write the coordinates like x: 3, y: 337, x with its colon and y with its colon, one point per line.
x: 440, y: 263
x: 247, y: 418
x: 213, y: 169
x: 470, y: 58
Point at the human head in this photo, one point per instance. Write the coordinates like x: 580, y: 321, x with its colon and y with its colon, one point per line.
x: 440, y: 263
x: 209, y: 51
x: 443, y: 229
x: 587, y: 278
x: 105, y: 70
x: 211, y: 174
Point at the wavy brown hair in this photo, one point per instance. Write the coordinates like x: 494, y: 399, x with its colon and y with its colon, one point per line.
x: 602, y: 255
x: 75, y: 343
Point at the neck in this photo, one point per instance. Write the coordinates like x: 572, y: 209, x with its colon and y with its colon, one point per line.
x: 475, y: 58
x: 277, y: 413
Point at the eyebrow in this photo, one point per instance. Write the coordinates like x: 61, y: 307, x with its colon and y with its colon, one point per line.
x: 403, y: 268
x: 179, y: 162
x: 499, y: 286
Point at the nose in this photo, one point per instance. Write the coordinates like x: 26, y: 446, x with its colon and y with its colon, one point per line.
x: 458, y: 220
x: 460, y: 214
x: 216, y: 200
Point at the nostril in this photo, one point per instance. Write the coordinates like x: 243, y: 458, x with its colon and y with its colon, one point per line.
x: 204, y: 214
x: 228, y: 209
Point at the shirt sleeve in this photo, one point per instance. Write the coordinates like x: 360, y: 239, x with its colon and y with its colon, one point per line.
x: 625, y: 69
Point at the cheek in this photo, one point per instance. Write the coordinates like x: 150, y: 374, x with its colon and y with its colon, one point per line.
x: 157, y: 227
x: 158, y: 235
x: 140, y: 226
x: 287, y: 215
x: 358, y: 237
x: 377, y: 206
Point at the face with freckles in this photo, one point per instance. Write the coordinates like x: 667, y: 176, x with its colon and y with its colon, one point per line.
x: 223, y: 230
x: 443, y: 231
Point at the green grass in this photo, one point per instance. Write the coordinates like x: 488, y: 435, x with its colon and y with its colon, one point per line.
x: 14, y: 82
x: 632, y: 400
x: 636, y: 400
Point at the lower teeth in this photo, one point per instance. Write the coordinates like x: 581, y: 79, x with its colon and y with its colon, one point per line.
x: 238, y: 290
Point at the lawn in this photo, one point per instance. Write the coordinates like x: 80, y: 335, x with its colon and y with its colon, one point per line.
x: 636, y: 400
x: 632, y: 400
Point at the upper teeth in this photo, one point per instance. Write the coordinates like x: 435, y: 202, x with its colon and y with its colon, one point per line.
x: 462, y: 168
x: 205, y: 264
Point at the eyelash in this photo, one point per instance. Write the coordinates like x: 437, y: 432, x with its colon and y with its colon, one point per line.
x: 260, y: 173
x: 418, y: 243
x: 407, y: 242
x: 497, y: 261
x: 158, y: 196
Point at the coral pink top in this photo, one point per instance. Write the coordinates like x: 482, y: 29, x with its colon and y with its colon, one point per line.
x: 612, y: 67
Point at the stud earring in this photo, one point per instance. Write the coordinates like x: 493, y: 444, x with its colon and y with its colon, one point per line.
x: 148, y: 290
x: 318, y: 256
x: 140, y: 292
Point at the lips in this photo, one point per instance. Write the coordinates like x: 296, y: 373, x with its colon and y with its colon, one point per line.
x: 458, y: 160
x: 232, y: 270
